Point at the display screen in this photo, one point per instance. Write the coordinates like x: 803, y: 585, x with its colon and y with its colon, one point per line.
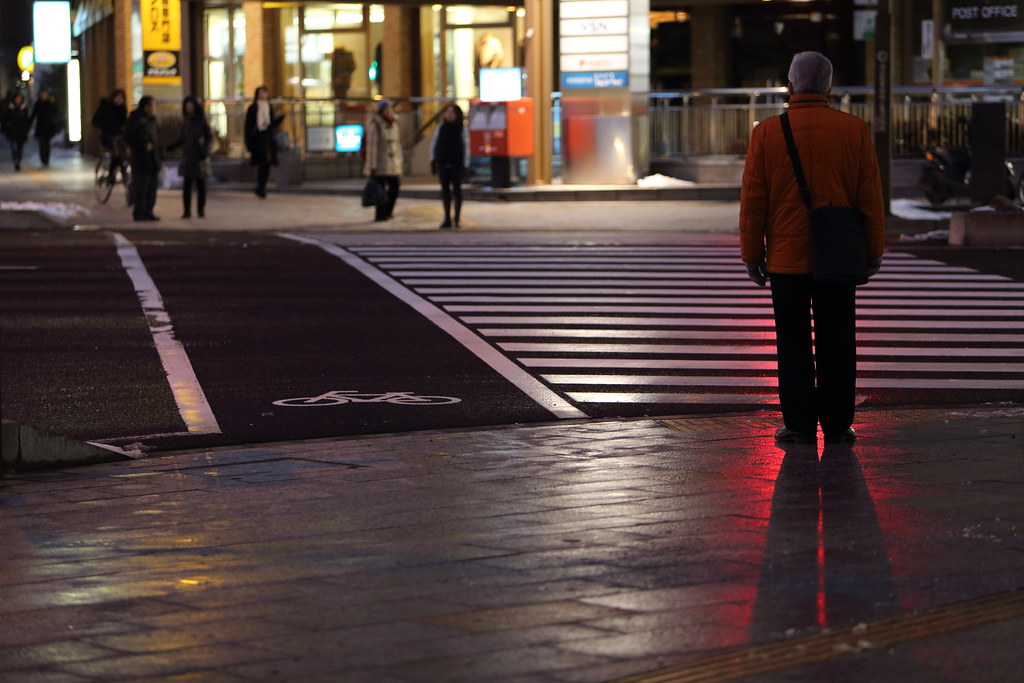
x: 348, y: 137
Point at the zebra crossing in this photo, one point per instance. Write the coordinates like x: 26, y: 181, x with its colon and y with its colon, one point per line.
x: 615, y: 325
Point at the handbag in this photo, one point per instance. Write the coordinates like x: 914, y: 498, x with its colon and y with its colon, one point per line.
x: 373, y: 193
x: 838, y: 233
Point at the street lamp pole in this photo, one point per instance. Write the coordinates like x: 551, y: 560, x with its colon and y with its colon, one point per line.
x: 883, y: 97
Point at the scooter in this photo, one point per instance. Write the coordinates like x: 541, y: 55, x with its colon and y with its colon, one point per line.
x: 946, y: 173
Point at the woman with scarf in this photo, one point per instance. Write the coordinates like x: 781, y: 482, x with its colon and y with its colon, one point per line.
x: 195, y: 141
x: 260, y: 125
x: 384, y: 156
x: 16, y: 124
x: 449, y: 159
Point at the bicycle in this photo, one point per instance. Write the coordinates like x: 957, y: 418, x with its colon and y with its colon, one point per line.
x: 335, y: 398
x: 107, y: 177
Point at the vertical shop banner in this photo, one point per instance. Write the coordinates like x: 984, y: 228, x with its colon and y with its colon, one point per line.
x: 161, y: 41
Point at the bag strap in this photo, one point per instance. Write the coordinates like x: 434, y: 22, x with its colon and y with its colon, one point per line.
x: 794, y: 156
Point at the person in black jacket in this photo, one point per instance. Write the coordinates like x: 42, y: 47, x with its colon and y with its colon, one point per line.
x: 261, y: 122
x: 449, y: 159
x: 195, y: 141
x: 16, y: 124
x: 110, y: 118
x: 142, y: 135
x: 47, y: 121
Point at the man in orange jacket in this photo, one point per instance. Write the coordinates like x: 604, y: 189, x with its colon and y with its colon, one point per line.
x: 816, y: 383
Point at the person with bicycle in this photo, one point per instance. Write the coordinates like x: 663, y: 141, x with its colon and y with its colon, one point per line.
x: 143, y: 137
x: 110, y: 118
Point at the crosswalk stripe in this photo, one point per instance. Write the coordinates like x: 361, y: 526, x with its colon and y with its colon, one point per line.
x: 587, y: 318
x: 762, y: 365
x: 714, y: 310
x: 750, y: 350
x: 772, y: 382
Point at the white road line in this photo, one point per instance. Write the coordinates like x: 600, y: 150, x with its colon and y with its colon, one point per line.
x: 956, y: 338
x: 767, y: 365
x: 526, y: 382
x: 188, y: 394
x: 433, y: 292
x: 641, y: 397
x: 936, y: 287
x: 697, y: 300
x: 753, y: 350
x: 722, y: 310
x: 19, y: 267
x: 727, y: 322
x: 734, y: 381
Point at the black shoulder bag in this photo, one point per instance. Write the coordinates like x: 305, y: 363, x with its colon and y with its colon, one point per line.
x: 838, y: 234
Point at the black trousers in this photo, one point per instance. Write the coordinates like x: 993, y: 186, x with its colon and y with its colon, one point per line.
x: 817, y: 379
x: 186, y: 193
x: 390, y: 183
x: 450, y: 176
x: 44, y: 150
x: 17, y: 150
x: 262, y: 176
x: 144, y: 186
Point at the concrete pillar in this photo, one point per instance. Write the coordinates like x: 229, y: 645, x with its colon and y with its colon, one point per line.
x: 122, y: 49
x: 398, y: 51
x: 539, y: 86
x: 254, y: 66
x: 710, y: 53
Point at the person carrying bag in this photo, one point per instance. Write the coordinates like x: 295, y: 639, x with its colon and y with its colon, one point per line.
x: 814, y: 244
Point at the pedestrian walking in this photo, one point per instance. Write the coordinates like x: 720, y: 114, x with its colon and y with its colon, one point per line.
x: 143, y: 138
x: 47, y: 122
x: 817, y: 380
x: 110, y: 118
x: 384, y: 156
x: 16, y: 124
x: 195, y: 140
x: 449, y: 160
x: 261, y: 122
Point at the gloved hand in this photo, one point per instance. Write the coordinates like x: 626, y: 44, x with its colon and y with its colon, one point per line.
x: 757, y: 273
x: 874, y: 265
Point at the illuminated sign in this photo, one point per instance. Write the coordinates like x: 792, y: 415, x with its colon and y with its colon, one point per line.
x: 990, y: 15
x: 594, y: 43
x: 501, y: 85
x: 51, y: 32
x: 161, y: 41
x: 26, y: 59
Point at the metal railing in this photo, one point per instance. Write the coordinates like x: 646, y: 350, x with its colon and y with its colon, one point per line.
x: 718, y: 122
x: 687, y: 123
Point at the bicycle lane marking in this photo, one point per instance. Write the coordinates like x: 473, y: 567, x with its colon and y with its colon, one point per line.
x: 188, y: 394
x: 498, y: 362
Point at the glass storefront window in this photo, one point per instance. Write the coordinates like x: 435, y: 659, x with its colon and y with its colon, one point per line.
x: 224, y: 52
x: 464, y: 15
x: 474, y: 37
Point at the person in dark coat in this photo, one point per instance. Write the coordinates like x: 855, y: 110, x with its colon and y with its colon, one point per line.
x: 142, y: 135
x: 110, y: 118
x: 261, y: 122
x: 195, y: 141
x: 47, y: 121
x: 16, y: 124
x: 449, y: 159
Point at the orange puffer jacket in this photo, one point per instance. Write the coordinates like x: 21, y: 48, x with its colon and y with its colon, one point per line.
x: 841, y: 168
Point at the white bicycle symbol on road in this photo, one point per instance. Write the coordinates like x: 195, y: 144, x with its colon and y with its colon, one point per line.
x: 334, y: 398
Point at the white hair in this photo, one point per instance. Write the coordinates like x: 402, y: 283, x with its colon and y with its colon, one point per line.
x: 810, y: 72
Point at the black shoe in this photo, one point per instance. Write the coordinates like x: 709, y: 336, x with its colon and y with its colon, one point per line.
x: 849, y: 436
x: 189, y: 215
x: 202, y: 213
x: 151, y: 217
x: 447, y: 223
x: 262, y: 194
x: 789, y: 436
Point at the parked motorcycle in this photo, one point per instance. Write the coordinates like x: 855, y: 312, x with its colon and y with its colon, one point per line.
x: 946, y: 173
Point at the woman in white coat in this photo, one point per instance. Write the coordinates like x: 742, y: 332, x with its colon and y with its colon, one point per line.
x: 384, y: 156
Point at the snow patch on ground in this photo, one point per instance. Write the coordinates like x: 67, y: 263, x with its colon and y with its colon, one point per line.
x: 659, y: 180
x: 911, y: 209
x: 55, y: 209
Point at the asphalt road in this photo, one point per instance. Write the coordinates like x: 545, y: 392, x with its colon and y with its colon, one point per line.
x: 167, y: 339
